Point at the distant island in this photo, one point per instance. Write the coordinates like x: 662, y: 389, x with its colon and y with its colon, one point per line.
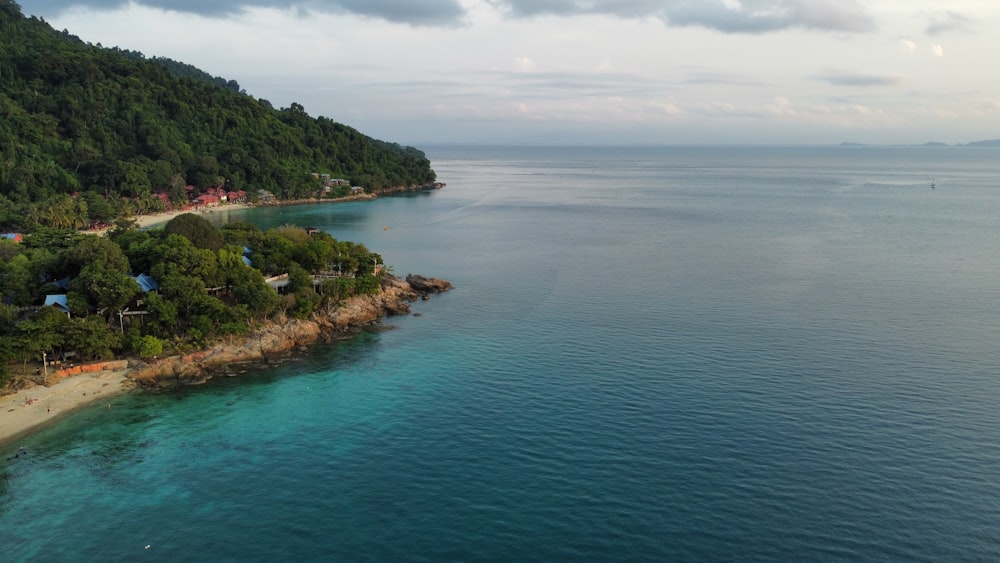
x: 987, y: 143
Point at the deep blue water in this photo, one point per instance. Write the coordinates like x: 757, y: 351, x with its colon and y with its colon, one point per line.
x: 654, y: 354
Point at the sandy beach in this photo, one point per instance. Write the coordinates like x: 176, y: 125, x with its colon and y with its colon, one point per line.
x: 159, y: 219
x: 22, y: 412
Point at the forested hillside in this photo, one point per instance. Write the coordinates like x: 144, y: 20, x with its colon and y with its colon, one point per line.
x: 89, y: 133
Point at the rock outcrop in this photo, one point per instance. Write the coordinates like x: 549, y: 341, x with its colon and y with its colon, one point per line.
x: 425, y: 286
x: 277, y: 337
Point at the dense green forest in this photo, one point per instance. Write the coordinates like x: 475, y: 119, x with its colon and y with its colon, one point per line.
x: 89, y: 134
x: 199, y: 283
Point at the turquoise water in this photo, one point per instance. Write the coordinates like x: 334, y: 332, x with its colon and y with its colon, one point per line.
x: 650, y: 354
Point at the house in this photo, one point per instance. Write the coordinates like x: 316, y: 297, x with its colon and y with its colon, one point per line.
x: 239, y: 196
x: 207, y: 200
x: 265, y: 196
x: 356, y: 190
x: 15, y: 237
x: 60, y: 302
x: 217, y: 192
x: 146, y: 283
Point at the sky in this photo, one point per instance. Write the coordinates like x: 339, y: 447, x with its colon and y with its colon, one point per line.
x: 621, y: 72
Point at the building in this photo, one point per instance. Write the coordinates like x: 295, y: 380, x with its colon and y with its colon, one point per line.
x: 60, y: 302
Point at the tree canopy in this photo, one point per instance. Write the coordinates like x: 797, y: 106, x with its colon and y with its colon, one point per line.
x: 198, y: 294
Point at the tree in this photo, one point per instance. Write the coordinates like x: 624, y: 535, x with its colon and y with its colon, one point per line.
x: 16, y: 282
x: 196, y: 229
x: 41, y: 335
x: 176, y: 255
x: 91, y: 338
x: 149, y: 346
x: 103, y: 278
x: 98, y: 208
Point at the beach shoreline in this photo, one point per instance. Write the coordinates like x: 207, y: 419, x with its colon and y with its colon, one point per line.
x: 26, y: 411
x: 159, y: 219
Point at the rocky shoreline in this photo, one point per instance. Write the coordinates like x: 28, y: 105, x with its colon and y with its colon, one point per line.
x: 284, y: 335
x: 33, y: 407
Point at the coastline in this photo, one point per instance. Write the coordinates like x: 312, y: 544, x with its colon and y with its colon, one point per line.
x: 30, y: 409
x: 158, y: 219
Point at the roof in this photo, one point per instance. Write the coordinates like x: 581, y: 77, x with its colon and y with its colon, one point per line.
x: 146, y: 283
x: 60, y: 301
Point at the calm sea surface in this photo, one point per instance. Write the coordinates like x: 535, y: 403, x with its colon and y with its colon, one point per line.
x: 650, y: 354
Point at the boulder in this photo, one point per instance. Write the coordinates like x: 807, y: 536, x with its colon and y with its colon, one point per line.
x: 426, y: 285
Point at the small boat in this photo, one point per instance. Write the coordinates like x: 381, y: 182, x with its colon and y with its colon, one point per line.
x: 933, y: 185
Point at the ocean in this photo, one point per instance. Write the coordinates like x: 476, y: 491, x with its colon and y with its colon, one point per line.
x: 650, y: 354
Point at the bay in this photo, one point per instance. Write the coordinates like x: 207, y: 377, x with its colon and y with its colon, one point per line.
x: 656, y: 353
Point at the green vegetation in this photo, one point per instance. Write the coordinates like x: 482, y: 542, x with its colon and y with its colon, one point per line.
x: 204, y: 291
x: 90, y: 134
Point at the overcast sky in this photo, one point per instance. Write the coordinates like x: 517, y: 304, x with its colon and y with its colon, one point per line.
x: 588, y: 71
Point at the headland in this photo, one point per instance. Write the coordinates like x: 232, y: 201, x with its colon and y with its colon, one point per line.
x: 34, y: 407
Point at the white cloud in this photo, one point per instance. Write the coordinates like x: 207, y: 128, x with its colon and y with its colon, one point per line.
x: 937, y: 49
x: 666, y: 108
x: 909, y: 45
x: 525, y: 64
x: 781, y: 107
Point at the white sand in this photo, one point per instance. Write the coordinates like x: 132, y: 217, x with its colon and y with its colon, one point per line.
x: 159, y: 219
x: 18, y: 417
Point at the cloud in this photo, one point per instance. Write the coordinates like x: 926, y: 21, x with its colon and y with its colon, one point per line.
x: 838, y: 78
x: 727, y: 16
x: 944, y: 22
x: 937, y: 49
x: 524, y: 63
x: 720, y: 79
x: 761, y: 16
x: 781, y: 107
x: 414, y: 12
x: 990, y: 105
x: 837, y: 114
x: 909, y: 45
x: 665, y: 108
